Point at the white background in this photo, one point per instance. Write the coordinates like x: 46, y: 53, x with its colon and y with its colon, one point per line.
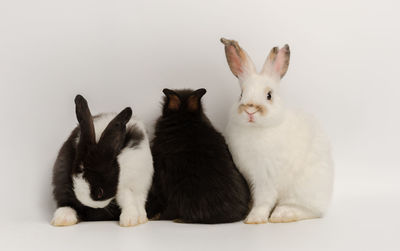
x: 344, y: 69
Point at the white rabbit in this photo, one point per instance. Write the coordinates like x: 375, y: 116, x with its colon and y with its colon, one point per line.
x: 283, y: 153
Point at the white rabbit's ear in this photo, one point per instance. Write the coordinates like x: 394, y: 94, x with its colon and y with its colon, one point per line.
x: 277, y: 61
x: 238, y: 60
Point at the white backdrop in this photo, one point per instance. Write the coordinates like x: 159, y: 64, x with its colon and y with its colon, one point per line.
x: 344, y: 69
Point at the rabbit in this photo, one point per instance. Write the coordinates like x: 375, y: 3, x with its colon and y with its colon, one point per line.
x: 195, y: 179
x: 104, y: 169
x: 283, y: 153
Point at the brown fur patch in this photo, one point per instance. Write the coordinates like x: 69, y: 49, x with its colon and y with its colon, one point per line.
x: 272, y: 54
x: 193, y: 103
x: 235, y: 56
x: 287, y: 60
x: 280, y: 57
x: 260, y: 108
x: 174, y: 102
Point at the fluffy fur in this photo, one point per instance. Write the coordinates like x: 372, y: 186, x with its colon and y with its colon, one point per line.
x: 195, y: 179
x: 283, y: 153
x: 103, y: 171
x: 64, y: 216
x: 82, y: 192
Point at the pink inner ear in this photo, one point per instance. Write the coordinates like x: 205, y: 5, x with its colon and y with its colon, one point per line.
x: 280, y: 60
x: 234, y: 61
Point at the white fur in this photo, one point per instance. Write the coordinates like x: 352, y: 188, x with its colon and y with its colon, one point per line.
x: 100, y: 123
x: 136, y: 172
x: 82, y: 193
x: 135, y: 177
x: 283, y: 154
x: 64, y: 216
x: 80, y: 185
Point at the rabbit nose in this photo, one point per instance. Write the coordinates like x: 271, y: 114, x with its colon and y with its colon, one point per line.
x: 250, y: 109
x: 100, y: 194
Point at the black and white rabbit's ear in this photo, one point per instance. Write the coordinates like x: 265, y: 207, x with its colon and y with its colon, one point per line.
x: 173, y: 101
x: 239, y: 62
x: 277, y: 62
x: 193, y: 103
x: 113, y: 137
x: 85, y: 119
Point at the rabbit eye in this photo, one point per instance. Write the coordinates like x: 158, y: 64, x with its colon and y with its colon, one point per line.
x: 269, y: 95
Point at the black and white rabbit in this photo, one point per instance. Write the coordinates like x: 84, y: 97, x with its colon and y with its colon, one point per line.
x: 104, y: 170
x: 195, y: 179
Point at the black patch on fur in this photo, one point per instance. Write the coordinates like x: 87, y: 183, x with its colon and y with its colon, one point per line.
x: 195, y: 179
x: 101, y: 168
x: 63, y: 188
x: 133, y: 137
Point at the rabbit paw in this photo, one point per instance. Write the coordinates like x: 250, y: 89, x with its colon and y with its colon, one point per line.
x: 284, y: 214
x: 257, y: 216
x: 131, y: 218
x: 64, y: 216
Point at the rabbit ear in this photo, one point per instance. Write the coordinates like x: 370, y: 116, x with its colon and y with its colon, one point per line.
x: 238, y: 60
x: 193, y: 103
x: 173, y: 101
x: 85, y: 120
x: 277, y: 61
x: 112, y: 138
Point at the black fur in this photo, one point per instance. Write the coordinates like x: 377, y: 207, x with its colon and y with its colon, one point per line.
x: 99, y: 160
x: 195, y: 179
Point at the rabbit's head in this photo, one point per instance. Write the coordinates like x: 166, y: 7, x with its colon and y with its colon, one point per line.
x: 259, y: 103
x: 183, y: 104
x: 96, y: 169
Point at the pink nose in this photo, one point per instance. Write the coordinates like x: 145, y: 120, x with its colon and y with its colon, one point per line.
x: 251, y: 115
x: 100, y: 194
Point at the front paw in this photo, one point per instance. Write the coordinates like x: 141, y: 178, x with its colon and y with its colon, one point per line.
x: 257, y: 216
x: 64, y: 216
x: 131, y: 218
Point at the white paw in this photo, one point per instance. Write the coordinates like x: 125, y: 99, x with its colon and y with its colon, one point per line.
x: 257, y: 216
x: 64, y: 216
x: 131, y: 218
x: 284, y: 214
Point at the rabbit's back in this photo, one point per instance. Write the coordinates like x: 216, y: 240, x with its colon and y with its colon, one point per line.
x: 197, y: 171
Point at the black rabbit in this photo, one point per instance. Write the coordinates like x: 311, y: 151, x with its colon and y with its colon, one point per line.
x: 195, y: 179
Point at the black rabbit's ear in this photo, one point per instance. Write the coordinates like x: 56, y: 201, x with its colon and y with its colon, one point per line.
x: 199, y: 92
x: 173, y: 101
x: 85, y: 120
x: 113, y: 137
x: 194, y: 99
